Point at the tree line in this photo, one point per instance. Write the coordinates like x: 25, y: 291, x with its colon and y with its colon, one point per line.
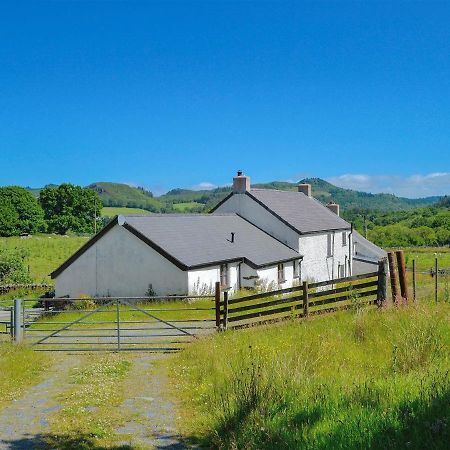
x: 58, y: 209
x: 428, y: 226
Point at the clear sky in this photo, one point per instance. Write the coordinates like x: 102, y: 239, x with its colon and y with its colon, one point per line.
x: 178, y: 94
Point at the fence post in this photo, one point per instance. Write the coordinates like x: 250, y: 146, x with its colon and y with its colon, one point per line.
x: 436, y: 280
x: 225, y: 310
x: 402, y: 275
x: 414, y: 280
x: 18, y: 320
x: 382, y: 282
x: 118, y: 323
x: 393, y: 278
x: 217, y: 300
x: 305, y: 299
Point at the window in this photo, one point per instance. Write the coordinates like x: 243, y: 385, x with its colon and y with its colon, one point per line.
x: 344, y: 239
x: 281, y: 278
x: 341, y: 270
x: 329, y: 244
x: 296, y: 269
x: 224, y: 275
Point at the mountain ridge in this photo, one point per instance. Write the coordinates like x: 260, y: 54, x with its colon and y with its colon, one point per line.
x: 189, y: 200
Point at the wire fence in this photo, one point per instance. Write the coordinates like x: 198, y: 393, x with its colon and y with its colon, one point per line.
x: 429, y: 283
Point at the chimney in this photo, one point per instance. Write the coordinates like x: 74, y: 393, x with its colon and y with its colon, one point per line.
x: 333, y: 207
x: 305, y: 188
x: 241, y: 183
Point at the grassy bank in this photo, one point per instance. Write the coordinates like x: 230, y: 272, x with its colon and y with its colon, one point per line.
x: 372, y: 379
x: 20, y: 368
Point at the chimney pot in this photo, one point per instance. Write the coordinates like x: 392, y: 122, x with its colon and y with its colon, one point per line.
x: 333, y: 207
x: 241, y: 183
x: 305, y: 188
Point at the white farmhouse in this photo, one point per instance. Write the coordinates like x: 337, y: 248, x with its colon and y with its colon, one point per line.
x: 254, y: 238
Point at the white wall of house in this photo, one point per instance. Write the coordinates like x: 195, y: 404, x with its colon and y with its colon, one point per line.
x: 252, y: 211
x: 317, y: 265
x: 120, y: 264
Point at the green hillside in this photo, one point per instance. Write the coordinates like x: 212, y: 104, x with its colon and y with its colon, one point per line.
x: 321, y: 189
x: 118, y: 194
x: 189, y: 201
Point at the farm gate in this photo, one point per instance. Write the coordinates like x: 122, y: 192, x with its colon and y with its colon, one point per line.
x: 169, y: 323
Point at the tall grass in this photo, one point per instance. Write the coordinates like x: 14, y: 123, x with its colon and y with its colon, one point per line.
x: 364, y: 379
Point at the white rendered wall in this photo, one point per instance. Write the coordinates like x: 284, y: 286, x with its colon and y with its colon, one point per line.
x: 120, y: 264
x: 316, y: 264
x: 268, y: 277
x: 252, y: 211
x: 202, y: 281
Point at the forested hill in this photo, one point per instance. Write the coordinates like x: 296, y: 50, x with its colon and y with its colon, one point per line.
x: 321, y: 189
x: 187, y: 200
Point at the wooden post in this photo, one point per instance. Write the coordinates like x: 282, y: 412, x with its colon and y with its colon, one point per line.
x: 305, y: 299
x: 217, y: 300
x: 225, y: 310
x: 382, y: 282
x: 393, y: 278
x: 402, y: 275
x: 436, y: 280
x: 414, y: 280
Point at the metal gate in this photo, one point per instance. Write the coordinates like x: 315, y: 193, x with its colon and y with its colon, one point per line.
x: 117, y: 324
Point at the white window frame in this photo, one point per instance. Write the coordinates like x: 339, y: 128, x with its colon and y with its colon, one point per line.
x: 330, y: 249
x: 341, y: 270
x: 224, y: 276
x: 296, y: 268
x: 344, y: 239
x: 281, y: 273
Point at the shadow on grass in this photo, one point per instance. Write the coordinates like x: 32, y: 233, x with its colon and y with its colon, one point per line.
x: 79, y: 442
x: 420, y: 424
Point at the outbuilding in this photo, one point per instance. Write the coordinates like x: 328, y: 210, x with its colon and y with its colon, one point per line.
x: 166, y: 254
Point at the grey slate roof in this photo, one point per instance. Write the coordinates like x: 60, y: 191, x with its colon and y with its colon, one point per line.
x: 366, y: 249
x: 305, y: 214
x: 202, y: 239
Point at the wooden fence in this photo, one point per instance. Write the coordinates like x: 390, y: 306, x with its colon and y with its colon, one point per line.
x: 301, y: 301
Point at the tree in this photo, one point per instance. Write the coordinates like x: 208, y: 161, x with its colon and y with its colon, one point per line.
x: 20, y: 212
x: 68, y: 207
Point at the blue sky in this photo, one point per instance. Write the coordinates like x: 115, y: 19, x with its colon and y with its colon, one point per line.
x: 178, y: 94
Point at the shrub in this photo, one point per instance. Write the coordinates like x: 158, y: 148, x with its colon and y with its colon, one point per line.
x: 12, y: 266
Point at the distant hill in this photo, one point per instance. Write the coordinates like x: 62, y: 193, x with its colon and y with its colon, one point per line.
x: 321, y: 189
x: 123, y: 195
x: 187, y: 200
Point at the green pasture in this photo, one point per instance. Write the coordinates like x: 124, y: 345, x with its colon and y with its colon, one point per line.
x: 110, y: 211
x: 187, y: 206
x: 45, y: 252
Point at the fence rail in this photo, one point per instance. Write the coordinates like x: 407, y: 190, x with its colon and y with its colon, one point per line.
x: 296, y: 301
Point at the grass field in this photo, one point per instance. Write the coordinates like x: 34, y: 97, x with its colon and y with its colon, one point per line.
x: 183, y: 207
x: 45, y: 252
x: 109, y: 211
x: 425, y: 257
x: 372, y: 379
